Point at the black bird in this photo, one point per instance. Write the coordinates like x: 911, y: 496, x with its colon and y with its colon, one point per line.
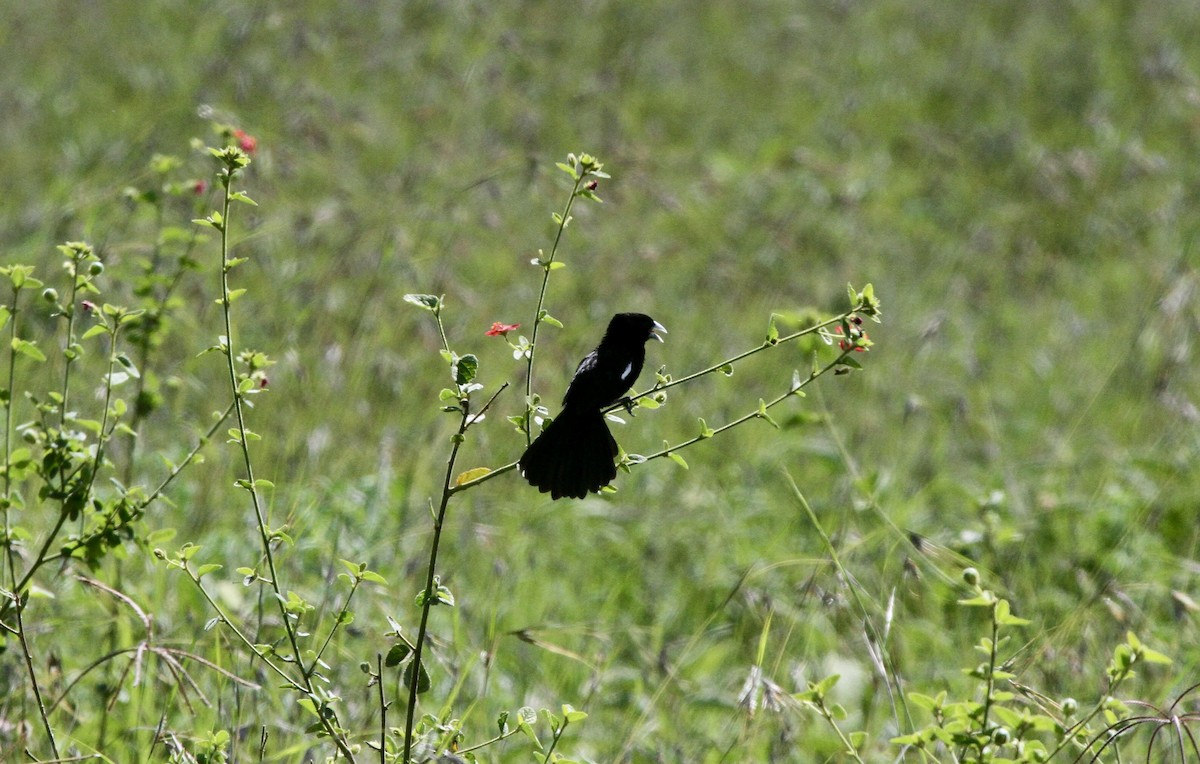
x: 575, y: 453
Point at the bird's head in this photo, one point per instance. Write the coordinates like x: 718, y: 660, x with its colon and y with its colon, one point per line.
x: 633, y: 328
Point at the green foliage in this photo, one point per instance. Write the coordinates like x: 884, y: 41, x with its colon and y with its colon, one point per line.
x: 1013, y: 179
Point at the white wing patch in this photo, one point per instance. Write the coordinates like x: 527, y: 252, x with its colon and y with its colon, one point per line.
x: 628, y: 370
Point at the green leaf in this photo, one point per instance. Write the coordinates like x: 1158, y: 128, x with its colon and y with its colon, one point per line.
x: 95, y: 330
x: 5, y: 314
x: 726, y: 369
x: 421, y: 680
x: 429, y: 302
x: 527, y: 716
x: 705, y: 430
x: 772, y: 331
x: 571, y: 714
x: 849, y: 361
x: 987, y: 599
x: 549, y: 319
x: 677, y: 459
x: 443, y: 596
x: 922, y: 701
x: 762, y: 414
x: 129, y: 365
x: 397, y: 654
x: 235, y: 293
x: 240, y: 196
x: 27, y: 348
x: 204, y: 570
x: 465, y: 369
x: 1004, y: 616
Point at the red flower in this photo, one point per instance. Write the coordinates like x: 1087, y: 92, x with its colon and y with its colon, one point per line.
x: 88, y: 306
x: 852, y: 343
x: 501, y: 330
x: 246, y: 142
x: 199, y: 187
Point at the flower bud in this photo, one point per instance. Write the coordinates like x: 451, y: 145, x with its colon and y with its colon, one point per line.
x: 50, y: 295
x: 1001, y: 736
x: 96, y: 268
x: 1069, y: 707
x: 970, y: 577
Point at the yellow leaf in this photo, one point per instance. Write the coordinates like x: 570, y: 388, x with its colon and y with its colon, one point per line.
x: 470, y: 475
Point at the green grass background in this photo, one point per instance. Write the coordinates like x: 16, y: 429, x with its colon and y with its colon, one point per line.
x: 1018, y: 180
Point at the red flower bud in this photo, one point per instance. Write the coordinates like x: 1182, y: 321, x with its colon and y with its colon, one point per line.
x: 246, y: 142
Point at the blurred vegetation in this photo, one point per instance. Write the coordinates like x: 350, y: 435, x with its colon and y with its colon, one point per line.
x: 1017, y: 180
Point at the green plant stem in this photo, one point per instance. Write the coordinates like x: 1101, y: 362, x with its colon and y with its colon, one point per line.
x: 103, y: 437
x: 8, y: 433
x: 22, y: 637
x: 37, y: 692
x: 490, y: 741
x: 828, y: 716
x: 558, y: 733
x: 756, y: 414
x: 69, y: 357
x: 337, y: 622
x: 428, y: 599
x: 991, y: 678
x: 383, y: 707
x: 285, y: 676
x: 243, y: 440
x: 537, y: 314
x: 740, y: 356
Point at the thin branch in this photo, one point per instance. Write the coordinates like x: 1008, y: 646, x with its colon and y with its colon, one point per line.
x: 428, y: 599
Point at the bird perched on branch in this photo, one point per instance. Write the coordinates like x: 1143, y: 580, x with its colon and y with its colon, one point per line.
x: 575, y: 453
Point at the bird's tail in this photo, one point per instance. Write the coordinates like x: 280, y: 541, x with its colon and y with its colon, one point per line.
x: 573, y: 455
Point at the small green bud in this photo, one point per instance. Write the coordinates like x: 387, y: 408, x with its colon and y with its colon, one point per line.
x: 1001, y: 736
x: 29, y: 436
x: 96, y: 268
x: 970, y: 577
x: 1069, y: 707
x: 50, y: 295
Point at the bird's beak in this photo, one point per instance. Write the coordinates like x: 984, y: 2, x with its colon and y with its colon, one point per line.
x: 658, y: 328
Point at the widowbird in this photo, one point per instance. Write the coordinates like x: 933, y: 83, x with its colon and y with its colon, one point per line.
x: 576, y: 453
